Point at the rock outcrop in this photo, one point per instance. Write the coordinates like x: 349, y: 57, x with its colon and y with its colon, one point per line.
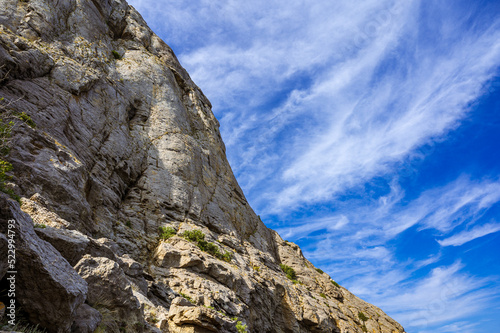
x: 47, y: 287
x: 140, y: 223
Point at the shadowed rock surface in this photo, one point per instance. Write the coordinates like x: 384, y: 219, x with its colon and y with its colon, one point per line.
x: 126, y: 143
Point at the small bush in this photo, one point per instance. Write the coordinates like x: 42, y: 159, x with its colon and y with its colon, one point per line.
x: 40, y: 225
x: 166, y: 232
x: 208, y: 247
x: 319, y: 270
x: 5, y: 136
x: 289, y: 271
x: 116, y: 55
x: 4, y: 168
x: 26, y: 119
x: 103, y: 304
x: 335, y: 284
x: 22, y: 327
x: 227, y: 256
x: 193, y: 235
x: 240, y: 327
x: 128, y: 224
x: 362, y: 316
x: 198, y: 237
x: 322, y: 295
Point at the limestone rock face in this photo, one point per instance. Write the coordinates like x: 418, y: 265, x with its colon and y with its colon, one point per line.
x: 126, y: 143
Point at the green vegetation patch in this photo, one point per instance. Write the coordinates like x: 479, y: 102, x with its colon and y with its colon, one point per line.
x: 26, y: 119
x: 289, y: 271
x: 5, y: 167
x: 198, y: 237
x: 362, y: 316
x: 116, y: 55
x: 187, y: 297
x: 240, y: 327
x: 193, y: 235
x: 335, y: 284
x: 319, y: 270
x: 166, y: 232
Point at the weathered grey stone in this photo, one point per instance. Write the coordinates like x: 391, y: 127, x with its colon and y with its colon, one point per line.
x: 131, y: 267
x: 184, y: 317
x: 35, y: 207
x: 3, y: 255
x: 86, y: 319
x: 73, y: 77
x: 73, y: 245
x: 70, y: 243
x: 43, y: 274
x: 109, y: 288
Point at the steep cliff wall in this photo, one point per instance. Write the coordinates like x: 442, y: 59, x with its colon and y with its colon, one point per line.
x: 122, y: 161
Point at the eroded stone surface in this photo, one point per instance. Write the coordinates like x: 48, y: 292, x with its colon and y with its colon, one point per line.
x: 126, y: 143
x: 47, y: 287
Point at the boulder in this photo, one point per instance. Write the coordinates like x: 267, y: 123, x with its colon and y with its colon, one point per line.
x: 47, y: 287
x: 185, y: 317
x: 86, y: 319
x: 73, y: 245
x: 110, y: 289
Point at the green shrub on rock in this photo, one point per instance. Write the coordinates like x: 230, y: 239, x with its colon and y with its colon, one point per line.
x: 289, y: 271
x: 166, y: 232
x: 198, y: 237
x: 242, y: 328
x: 193, y: 235
x: 362, y: 316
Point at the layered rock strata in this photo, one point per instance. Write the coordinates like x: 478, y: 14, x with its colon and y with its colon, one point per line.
x: 126, y: 149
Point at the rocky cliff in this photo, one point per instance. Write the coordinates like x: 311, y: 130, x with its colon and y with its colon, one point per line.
x: 128, y: 217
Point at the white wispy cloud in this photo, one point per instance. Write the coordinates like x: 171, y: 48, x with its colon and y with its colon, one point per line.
x: 363, y: 141
x: 469, y: 235
x: 444, y: 208
x: 447, y: 294
x: 441, y: 209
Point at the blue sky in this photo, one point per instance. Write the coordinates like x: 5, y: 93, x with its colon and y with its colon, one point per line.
x: 367, y: 132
